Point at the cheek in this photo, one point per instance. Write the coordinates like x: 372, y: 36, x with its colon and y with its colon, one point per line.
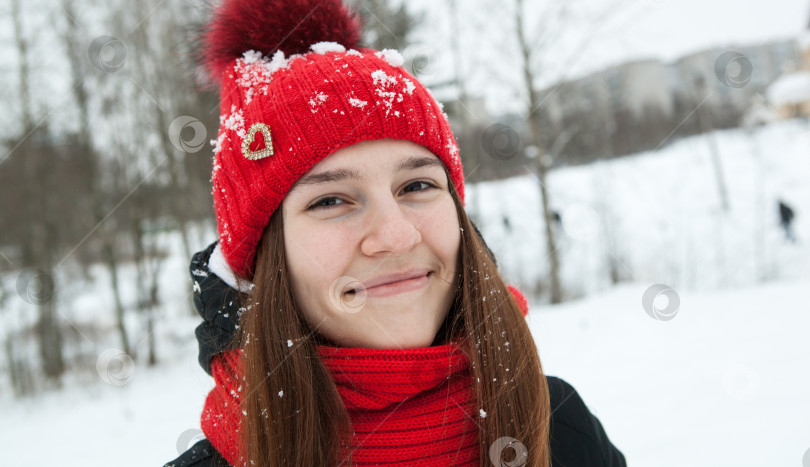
x: 440, y: 230
x: 315, y: 257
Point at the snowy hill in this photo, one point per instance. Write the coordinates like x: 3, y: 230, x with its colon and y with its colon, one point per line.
x: 657, y: 215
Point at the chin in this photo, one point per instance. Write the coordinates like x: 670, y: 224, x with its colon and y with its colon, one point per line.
x: 409, y: 342
x: 427, y: 340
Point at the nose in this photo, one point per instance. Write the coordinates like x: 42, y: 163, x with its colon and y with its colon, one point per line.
x: 389, y: 229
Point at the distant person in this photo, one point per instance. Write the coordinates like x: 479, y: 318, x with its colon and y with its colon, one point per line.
x: 557, y: 217
x: 786, y: 216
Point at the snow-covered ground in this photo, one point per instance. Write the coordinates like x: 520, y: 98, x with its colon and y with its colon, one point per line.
x: 135, y: 424
x: 722, y: 383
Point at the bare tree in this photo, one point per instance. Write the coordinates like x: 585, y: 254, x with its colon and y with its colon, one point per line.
x: 466, y: 132
x: 73, y: 40
x: 527, y: 58
x: 41, y: 250
x: 24, y: 72
x: 153, y: 40
x: 385, y: 27
x: 146, y: 248
x: 532, y: 48
x: 706, y: 126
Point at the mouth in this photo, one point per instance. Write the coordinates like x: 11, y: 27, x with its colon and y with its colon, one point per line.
x: 395, y: 287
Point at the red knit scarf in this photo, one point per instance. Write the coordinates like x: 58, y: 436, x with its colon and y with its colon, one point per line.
x: 408, y: 407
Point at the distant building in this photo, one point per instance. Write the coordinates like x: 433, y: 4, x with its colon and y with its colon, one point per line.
x: 635, y: 106
x: 789, y: 95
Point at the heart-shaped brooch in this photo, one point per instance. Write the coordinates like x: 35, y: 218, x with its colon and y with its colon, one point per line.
x: 257, y: 144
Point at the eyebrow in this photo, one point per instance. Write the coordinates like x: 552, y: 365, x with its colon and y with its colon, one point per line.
x: 337, y: 175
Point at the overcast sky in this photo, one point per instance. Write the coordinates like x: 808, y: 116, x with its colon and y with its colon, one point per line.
x: 662, y: 29
x: 668, y: 29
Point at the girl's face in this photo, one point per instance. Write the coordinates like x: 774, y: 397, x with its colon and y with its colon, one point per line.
x: 371, y: 237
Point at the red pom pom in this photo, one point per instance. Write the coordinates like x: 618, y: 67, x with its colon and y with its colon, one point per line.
x: 270, y: 25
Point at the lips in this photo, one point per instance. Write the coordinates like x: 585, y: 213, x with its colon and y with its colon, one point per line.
x: 393, y: 278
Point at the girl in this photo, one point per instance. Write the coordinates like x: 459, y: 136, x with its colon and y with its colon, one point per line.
x: 353, y: 314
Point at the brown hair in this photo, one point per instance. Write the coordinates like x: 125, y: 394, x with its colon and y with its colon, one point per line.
x: 311, y: 425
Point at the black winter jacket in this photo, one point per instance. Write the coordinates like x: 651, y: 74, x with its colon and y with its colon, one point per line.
x: 577, y: 438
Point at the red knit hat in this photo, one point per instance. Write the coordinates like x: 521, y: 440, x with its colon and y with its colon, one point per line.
x: 294, y: 89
